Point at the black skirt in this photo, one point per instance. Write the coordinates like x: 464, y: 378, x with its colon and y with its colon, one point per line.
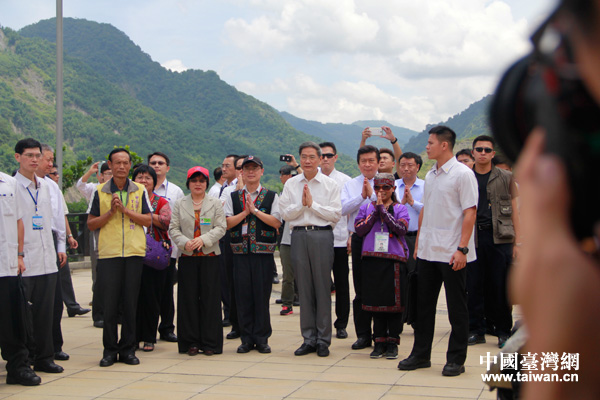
x: 381, y: 285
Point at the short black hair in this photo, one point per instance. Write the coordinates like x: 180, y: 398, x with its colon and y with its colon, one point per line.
x: 412, y: 156
x: 500, y: 158
x: 329, y: 144
x: 119, y: 150
x: 160, y: 154
x: 238, y: 158
x: 465, y: 152
x: 444, y: 134
x: 27, y: 143
x: 287, y: 170
x: 366, y: 150
x: 145, y: 169
x: 310, y: 145
x: 484, y: 138
x: 387, y: 151
x: 104, y: 168
x: 218, y: 173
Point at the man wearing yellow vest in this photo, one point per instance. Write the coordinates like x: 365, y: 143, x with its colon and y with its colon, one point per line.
x: 120, y: 210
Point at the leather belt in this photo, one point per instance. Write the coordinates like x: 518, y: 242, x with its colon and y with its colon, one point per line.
x: 412, y: 233
x: 484, y: 227
x: 312, y: 228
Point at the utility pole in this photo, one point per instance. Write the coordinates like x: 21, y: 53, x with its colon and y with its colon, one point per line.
x: 59, y: 89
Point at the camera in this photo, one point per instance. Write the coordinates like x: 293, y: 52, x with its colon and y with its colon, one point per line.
x: 376, y: 131
x: 285, y: 158
x: 544, y: 90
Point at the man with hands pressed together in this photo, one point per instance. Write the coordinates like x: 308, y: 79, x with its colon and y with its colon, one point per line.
x: 253, y: 219
x: 310, y: 202
x: 387, y: 162
x: 120, y: 209
x: 444, y: 245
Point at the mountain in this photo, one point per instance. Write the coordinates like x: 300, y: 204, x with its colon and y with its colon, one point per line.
x: 469, y: 123
x: 347, y: 136
x: 116, y: 95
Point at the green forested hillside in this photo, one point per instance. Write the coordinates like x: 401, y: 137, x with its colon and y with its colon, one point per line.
x: 116, y: 95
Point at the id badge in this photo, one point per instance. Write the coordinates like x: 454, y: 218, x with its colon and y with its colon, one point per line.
x: 204, y: 221
x: 382, y: 241
x: 37, y: 222
x: 245, y: 229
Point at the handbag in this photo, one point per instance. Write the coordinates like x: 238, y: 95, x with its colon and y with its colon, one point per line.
x: 158, y: 251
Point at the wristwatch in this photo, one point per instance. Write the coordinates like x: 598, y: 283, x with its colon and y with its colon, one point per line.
x: 463, y: 250
x: 20, y: 254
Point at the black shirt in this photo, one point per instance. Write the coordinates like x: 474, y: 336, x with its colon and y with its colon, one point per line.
x: 484, y: 208
x: 95, y: 209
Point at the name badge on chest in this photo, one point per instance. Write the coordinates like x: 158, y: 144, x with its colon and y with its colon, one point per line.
x: 382, y: 241
x: 245, y: 228
x: 37, y: 222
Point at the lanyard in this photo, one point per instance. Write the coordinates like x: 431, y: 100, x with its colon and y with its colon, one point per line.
x: 34, y: 200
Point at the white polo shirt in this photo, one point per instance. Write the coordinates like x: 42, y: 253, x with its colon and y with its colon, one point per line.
x: 340, y: 232
x: 449, y: 190
x: 11, y: 210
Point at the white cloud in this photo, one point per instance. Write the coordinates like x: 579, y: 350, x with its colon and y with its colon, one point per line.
x: 175, y: 65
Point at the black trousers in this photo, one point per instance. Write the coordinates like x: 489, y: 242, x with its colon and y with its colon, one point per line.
x: 67, y: 291
x: 342, y: 287
x: 362, y: 319
x: 12, y: 332
x: 253, y: 281
x: 167, y: 304
x: 97, y: 312
x: 386, y: 326
x: 119, y: 279
x: 57, y: 313
x: 199, y: 304
x: 486, y: 284
x: 224, y: 281
x: 39, y: 291
x: 149, y: 303
x: 227, y: 256
x: 431, y: 277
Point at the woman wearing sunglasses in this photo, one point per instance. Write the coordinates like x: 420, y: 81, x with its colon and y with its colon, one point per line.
x: 383, y: 225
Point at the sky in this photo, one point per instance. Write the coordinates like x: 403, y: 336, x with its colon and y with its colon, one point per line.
x: 409, y: 62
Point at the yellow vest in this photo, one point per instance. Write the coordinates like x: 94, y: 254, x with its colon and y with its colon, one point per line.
x: 121, y: 237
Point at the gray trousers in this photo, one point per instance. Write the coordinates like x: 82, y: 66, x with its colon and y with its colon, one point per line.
x: 312, y: 257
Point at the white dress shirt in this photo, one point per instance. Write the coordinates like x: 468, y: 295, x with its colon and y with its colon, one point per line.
x: 228, y: 206
x: 340, y: 232
x: 416, y: 191
x: 87, y: 189
x: 58, y: 215
x: 352, y: 199
x: 449, y: 190
x: 11, y: 210
x: 215, y: 189
x: 228, y: 189
x: 40, y: 255
x: 326, y: 208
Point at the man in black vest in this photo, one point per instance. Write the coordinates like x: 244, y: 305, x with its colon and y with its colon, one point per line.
x: 253, y: 219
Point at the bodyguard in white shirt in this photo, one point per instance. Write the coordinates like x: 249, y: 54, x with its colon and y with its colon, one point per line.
x: 444, y: 246
x: 12, y: 263
x: 355, y: 193
x: 310, y: 202
x: 340, y: 245
x: 41, y: 274
x: 161, y: 164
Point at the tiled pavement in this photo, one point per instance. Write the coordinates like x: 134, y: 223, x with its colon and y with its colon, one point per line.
x: 167, y: 375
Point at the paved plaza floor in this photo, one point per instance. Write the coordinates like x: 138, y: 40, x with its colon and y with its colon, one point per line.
x: 167, y: 375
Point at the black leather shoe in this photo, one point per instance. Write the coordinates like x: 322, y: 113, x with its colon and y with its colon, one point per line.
x: 411, y: 363
x: 322, y: 350
x: 275, y: 280
x: 99, y: 324
x: 263, y: 348
x: 245, y: 348
x: 502, y: 340
x: 226, y: 322
x: 130, y: 359
x: 475, y: 339
x: 49, y: 367
x: 77, y: 311
x: 453, y: 369
x: 279, y: 301
x: 341, y: 333
x: 305, y: 349
x: 25, y: 377
x: 108, y: 361
x: 193, y: 350
x: 233, y: 335
x: 169, y: 337
x: 61, y: 355
x: 361, y: 343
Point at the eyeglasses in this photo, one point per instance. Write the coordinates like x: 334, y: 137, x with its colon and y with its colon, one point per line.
x: 53, y: 173
x: 382, y: 187
x: 37, y: 156
x: 305, y: 158
x: 328, y: 155
x: 161, y: 163
x: 482, y: 149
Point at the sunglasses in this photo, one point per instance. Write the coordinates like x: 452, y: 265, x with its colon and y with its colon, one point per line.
x: 157, y: 163
x: 328, y: 155
x: 482, y: 149
x: 382, y: 187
